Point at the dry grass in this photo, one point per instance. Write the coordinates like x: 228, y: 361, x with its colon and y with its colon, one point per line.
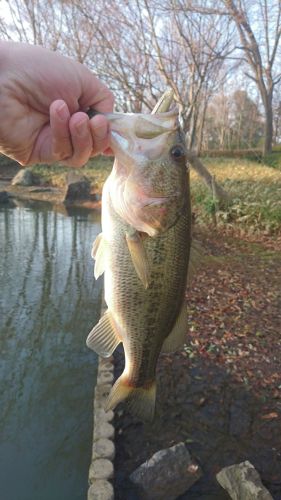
x: 255, y: 190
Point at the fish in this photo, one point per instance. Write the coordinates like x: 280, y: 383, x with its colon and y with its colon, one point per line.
x: 143, y: 251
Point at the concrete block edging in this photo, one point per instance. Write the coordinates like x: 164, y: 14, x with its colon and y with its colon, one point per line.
x: 103, y: 451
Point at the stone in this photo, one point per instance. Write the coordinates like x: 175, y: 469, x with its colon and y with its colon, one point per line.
x: 103, y: 430
x: 105, y: 377
x: 103, y: 448
x: 242, y: 481
x: 102, y: 415
x: 77, y: 187
x: 101, y: 469
x: 101, y: 490
x: 167, y: 474
x: 105, y: 366
x: 23, y: 178
x: 4, y: 197
x: 101, y: 394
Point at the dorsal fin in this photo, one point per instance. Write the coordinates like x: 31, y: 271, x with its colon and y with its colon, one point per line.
x: 164, y: 102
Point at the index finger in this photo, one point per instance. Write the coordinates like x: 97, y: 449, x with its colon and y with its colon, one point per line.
x: 103, y: 100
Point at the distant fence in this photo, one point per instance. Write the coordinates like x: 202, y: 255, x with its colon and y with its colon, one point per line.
x: 231, y: 153
x: 236, y: 153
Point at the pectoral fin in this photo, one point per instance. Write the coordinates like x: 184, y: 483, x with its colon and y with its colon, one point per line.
x: 98, y: 253
x: 176, y: 338
x: 139, y: 257
x: 104, y: 337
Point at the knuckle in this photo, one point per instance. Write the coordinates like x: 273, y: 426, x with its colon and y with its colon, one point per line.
x: 110, y: 96
x: 61, y: 151
x: 60, y: 156
x: 75, y: 162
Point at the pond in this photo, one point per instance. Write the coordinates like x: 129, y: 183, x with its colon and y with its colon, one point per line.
x: 49, y: 301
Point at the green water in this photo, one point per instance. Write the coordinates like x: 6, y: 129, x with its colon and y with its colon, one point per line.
x: 49, y: 301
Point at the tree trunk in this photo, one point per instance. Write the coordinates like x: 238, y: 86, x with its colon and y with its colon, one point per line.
x: 268, y: 128
x: 203, y: 172
x: 192, y: 130
x: 201, y: 128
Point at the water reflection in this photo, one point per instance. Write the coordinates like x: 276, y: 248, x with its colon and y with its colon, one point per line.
x: 48, y: 302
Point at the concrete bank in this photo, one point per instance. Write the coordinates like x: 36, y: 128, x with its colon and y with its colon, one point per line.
x: 52, y: 195
x: 101, y: 470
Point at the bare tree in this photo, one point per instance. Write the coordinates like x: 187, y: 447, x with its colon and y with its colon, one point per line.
x: 189, y: 53
x: 258, y: 23
x: 38, y: 21
x: 147, y: 50
x: 277, y: 116
x: 260, y: 50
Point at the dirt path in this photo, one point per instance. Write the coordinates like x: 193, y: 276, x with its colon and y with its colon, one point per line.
x: 222, y: 393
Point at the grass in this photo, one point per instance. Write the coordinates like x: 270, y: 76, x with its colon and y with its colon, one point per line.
x: 253, y: 184
x: 255, y: 190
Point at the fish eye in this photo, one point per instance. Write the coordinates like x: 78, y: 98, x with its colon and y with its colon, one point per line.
x: 177, y: 152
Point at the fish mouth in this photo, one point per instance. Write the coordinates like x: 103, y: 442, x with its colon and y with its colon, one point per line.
x: 138, y: 137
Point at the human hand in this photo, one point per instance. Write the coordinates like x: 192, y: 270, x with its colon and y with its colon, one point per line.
x: 43, y: 100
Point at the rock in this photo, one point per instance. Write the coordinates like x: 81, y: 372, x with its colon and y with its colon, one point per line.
x: 4, y: 197
x: 23, y: 178
x: 100, y: 469
x: 103, y: 448
x: 105, y: 377
x: 102, y: 415
x: 167, y: 474
x: 242, y: 481
x: 101, y: 394
x: 78, y: 187
x: 103, y: 430
x: 101, y: 490
x: 105, y: 365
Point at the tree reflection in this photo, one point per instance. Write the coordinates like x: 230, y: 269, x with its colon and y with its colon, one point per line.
x: 49, y: 302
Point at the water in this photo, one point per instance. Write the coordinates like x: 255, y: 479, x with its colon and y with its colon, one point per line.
x: 49, y: 301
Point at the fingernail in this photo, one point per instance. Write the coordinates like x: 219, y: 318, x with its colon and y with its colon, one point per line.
x: 81, y: 128
x: 62, y: 112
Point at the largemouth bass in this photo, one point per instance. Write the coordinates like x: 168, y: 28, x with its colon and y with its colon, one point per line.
x: 143, y: 251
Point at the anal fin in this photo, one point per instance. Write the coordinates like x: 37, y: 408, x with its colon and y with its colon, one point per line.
x: 104, y: 338
x: 176, y: 337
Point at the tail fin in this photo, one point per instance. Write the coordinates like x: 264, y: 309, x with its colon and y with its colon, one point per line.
x: 139, y: 400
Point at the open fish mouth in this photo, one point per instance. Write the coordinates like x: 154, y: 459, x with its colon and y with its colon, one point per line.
x: 137, y: 138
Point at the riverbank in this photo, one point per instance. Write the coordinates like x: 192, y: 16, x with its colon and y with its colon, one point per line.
x: 254, y: 187
x: 49, y: 182
x: 220, y: 394
x: 52, y: 195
